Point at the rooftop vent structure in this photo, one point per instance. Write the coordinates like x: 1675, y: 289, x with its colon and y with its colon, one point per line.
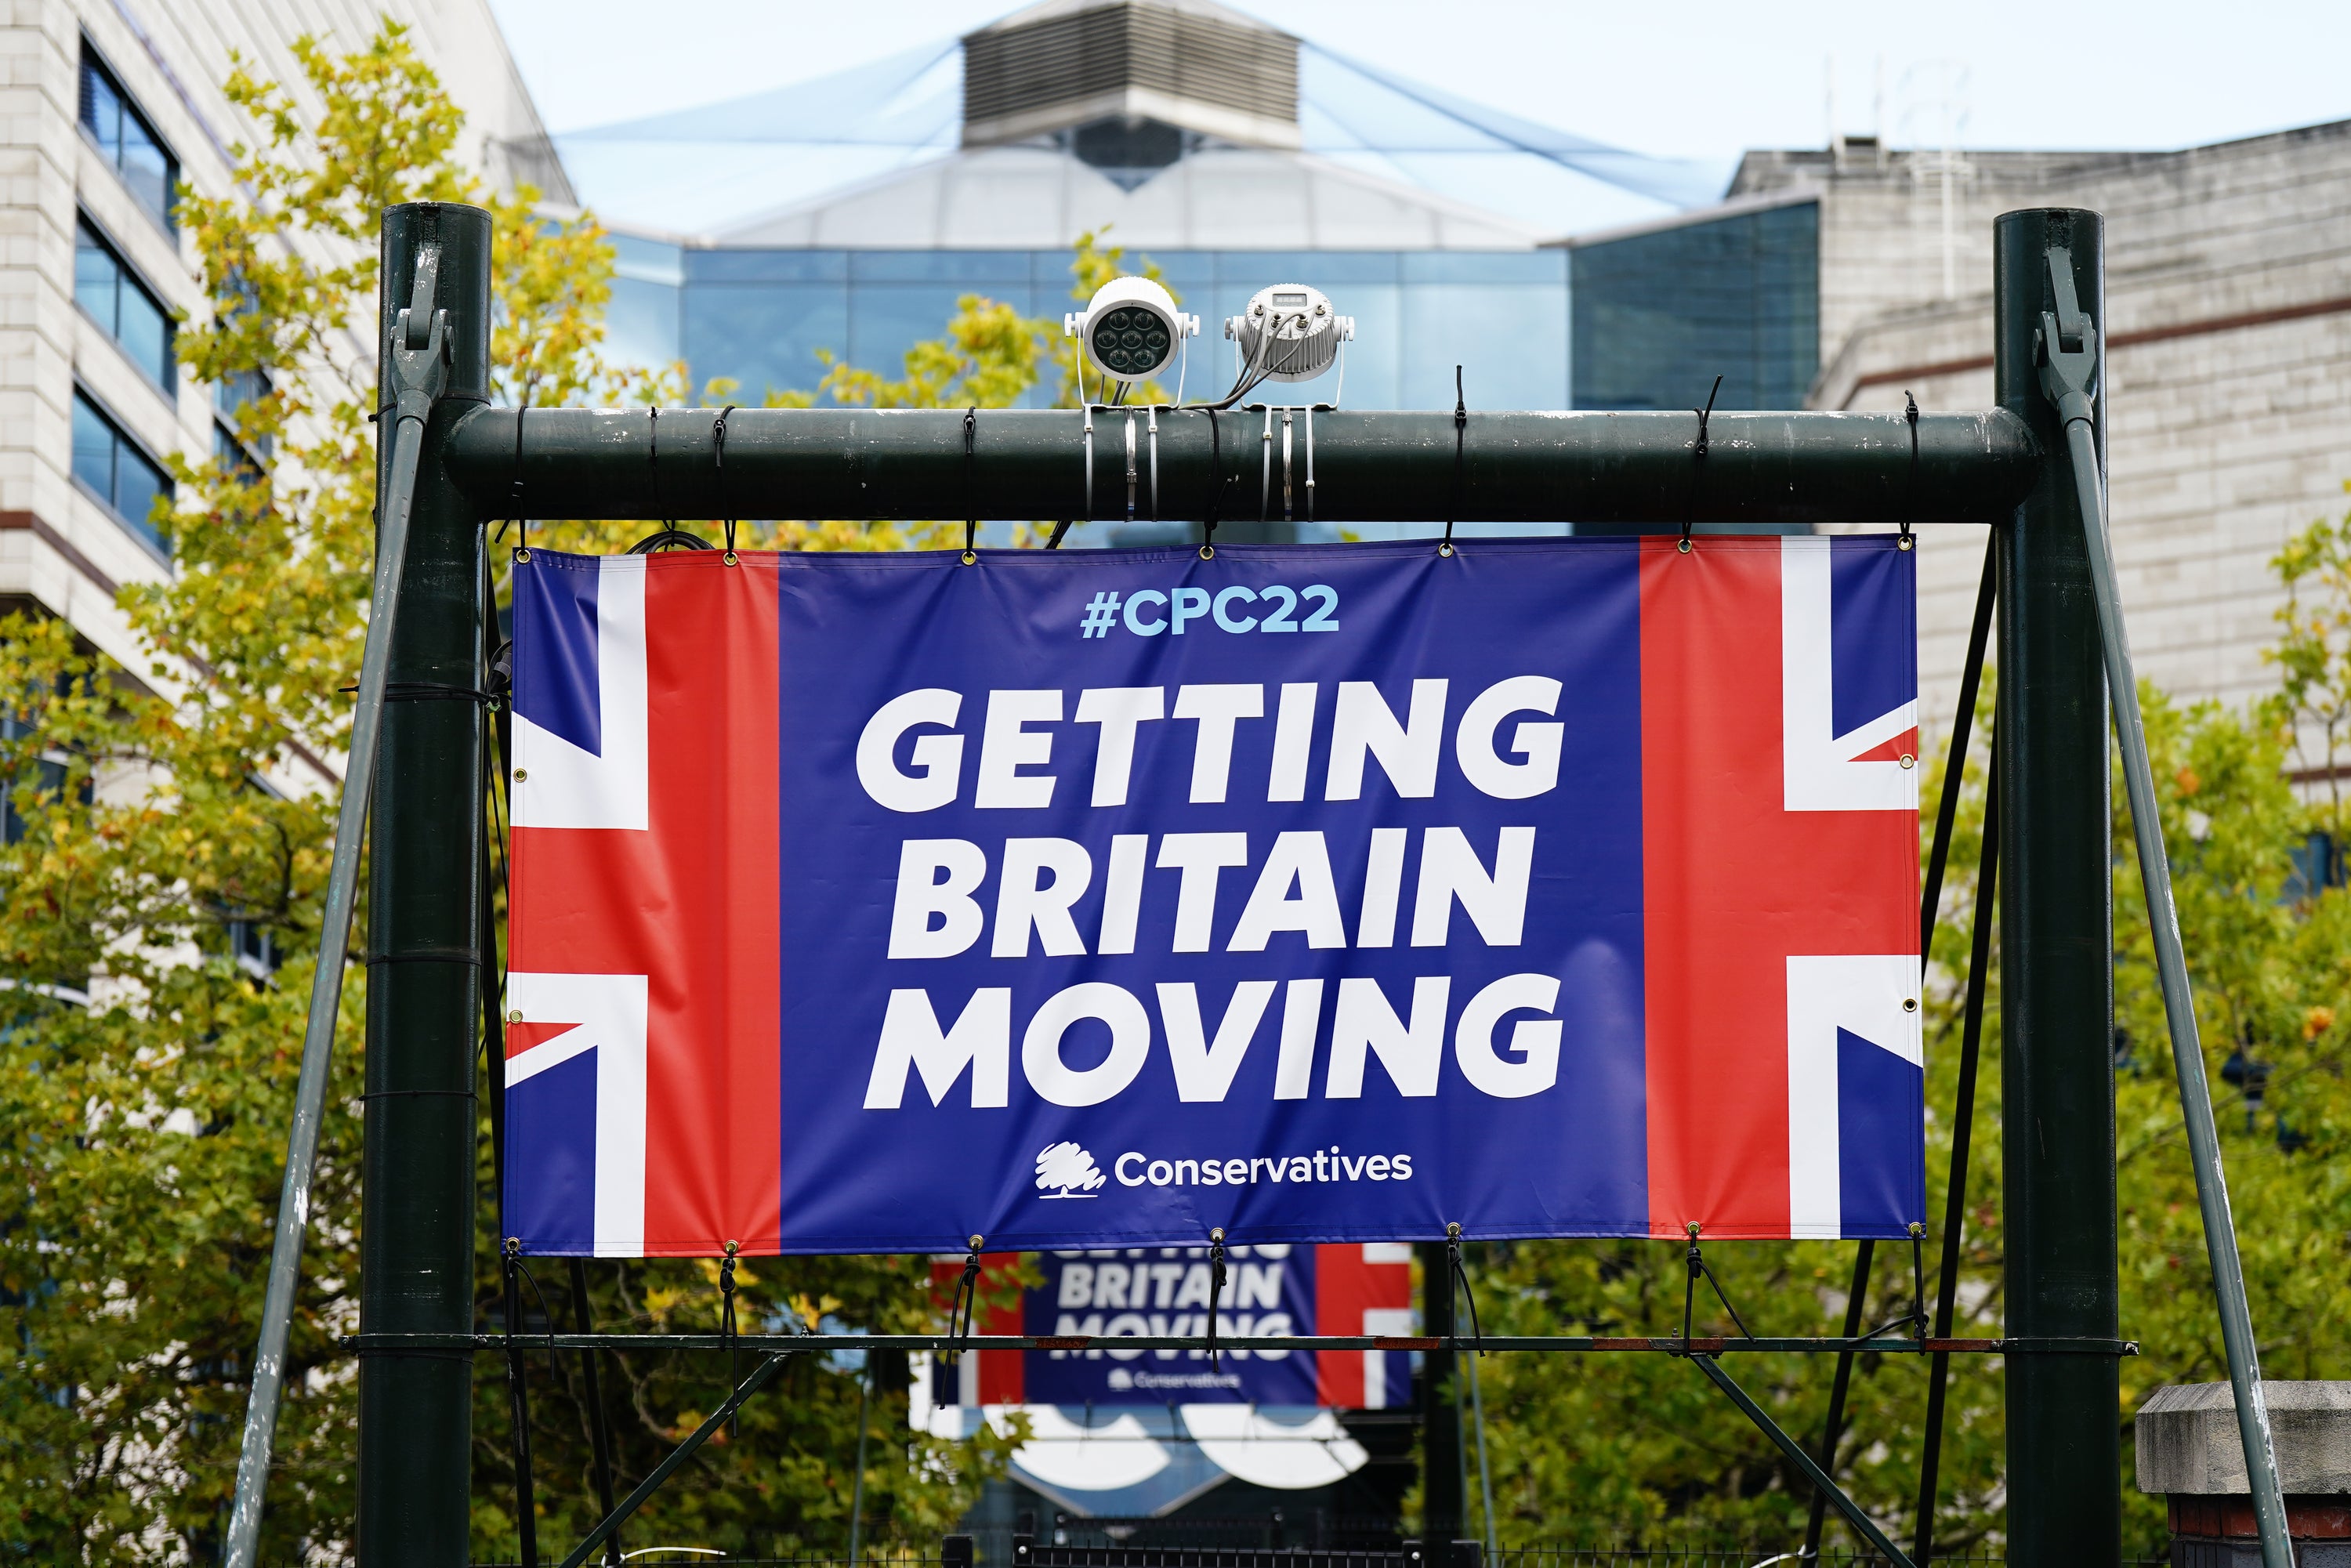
x: 1129, y: 86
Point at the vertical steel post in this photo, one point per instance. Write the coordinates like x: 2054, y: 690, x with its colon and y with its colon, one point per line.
x: 417, y: 1210
x: 1440, y: 1415
x: 2057, y: 1086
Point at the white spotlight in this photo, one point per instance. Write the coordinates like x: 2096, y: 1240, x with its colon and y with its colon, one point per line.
x: 1288, y: 333
x: 1130, y: 329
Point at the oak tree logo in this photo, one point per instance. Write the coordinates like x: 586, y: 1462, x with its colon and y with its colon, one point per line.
x: 1066, y: 1170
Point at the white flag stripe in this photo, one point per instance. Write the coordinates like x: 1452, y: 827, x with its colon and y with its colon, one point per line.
x: 1862, y: 994
x: 1819, y: 770
x: 609, y: 1011
x: 559, y: 784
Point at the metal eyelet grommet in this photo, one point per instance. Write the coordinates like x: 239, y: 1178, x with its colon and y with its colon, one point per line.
x: 1446, y: 548
x: 1910, y: 1004
x: 1908, y: 760
x: 522, y: 557
x: 729, y: 559
x: 971, y: 557
x: 514, y: 1015
x: 521, y: 776
x: 1907, y: 541
x: 1208, y: 552
x: 1683, y: 546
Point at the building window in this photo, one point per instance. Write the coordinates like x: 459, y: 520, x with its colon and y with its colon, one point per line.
x: 116, y: 472
x: 105, y: 285
x: 232, y: 395
x: 126, y: 139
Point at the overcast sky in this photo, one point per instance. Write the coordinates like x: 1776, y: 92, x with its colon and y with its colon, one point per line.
x: 1697, y: 78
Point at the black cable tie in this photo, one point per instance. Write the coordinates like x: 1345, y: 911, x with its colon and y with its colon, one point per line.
x: 409, y: 1093
x: 1910, y: 485
x: 726, y: 1328
x: 1697, y: 466
x: 1460, y: 428
x: 429, y: 691
x: 718, y: 444
x: 1216, y: 1287
x: 1216, y: 489
x: 1918, y: 1281
x: 967, y: 1305
x: 970, y: 487
x: 652, y: 456
x: 1461, y: 1280
x: 514, y: 494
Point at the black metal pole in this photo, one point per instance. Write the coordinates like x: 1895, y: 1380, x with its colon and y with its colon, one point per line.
x: 1440, y: 1413
x: 1834, y: 1427
x: 1367, y: 466
x: 1955, y: 1189
x: 600, y: 1429
x: 2057, y: 1087
x: 416, y: 1214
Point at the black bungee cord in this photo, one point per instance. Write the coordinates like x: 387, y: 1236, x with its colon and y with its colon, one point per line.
x: 1689, y: 510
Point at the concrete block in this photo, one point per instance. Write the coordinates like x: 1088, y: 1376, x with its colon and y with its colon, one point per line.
x: 2188, y: 1440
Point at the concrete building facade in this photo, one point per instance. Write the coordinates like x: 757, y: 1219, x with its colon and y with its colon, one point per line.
x: 113, y: 109
x: 2228, y: 378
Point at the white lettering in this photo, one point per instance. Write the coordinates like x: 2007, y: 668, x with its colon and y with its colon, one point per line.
x: 1450, y: 869
x: 1301, y: 1015
x: 1257, y: 1285
x: 1203, y: 1072
x: 1412, y: 1052
x: 1535, y: 1041
x: 1122, y: 892
x: 1218, y: 709
x: 1200, y: 856
x: 1020, y: 903
x: 1119, y: 710
x: 1473, y: 745
x: 911, y: 1037
x: 1298, y: 859
x: 937, y: 759
x: 1293, y: 742
x: 1363, y: 724
x: 1005, y: 747
x: 923, y: 893
x: 1129, y: 1043
x: 1077, y: 1286
x: 1383, y: 885
x: 1119, y: 1170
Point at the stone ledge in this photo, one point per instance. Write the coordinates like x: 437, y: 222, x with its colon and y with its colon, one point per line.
x: 2188, y: 1440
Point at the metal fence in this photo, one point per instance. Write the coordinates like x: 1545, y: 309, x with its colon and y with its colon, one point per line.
x: 1713, y: 1554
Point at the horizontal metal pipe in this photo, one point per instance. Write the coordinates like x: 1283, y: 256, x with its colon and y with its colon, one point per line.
x: 909, y: 464
x: 828, y: 1343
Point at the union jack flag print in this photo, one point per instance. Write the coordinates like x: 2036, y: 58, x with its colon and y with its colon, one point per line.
x: 1320, y: 895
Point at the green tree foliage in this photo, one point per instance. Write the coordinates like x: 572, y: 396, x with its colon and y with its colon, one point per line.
x: 1641, y: 1446
x: 167, y: 848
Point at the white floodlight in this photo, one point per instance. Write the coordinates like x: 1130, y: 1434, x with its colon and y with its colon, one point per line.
x: 1130, y: 329
x: 1288, y: 333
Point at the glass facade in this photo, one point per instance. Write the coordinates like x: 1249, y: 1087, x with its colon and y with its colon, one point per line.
x: 112, y: 294
x: 126, y: 139
x: 115, y: 470
x: 1659, y: 315
x: 759, y: 316
x: 1645, y: 322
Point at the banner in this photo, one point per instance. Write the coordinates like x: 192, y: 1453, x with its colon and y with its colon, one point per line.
x: 1110, y: 1294
x: 1093, y: 899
